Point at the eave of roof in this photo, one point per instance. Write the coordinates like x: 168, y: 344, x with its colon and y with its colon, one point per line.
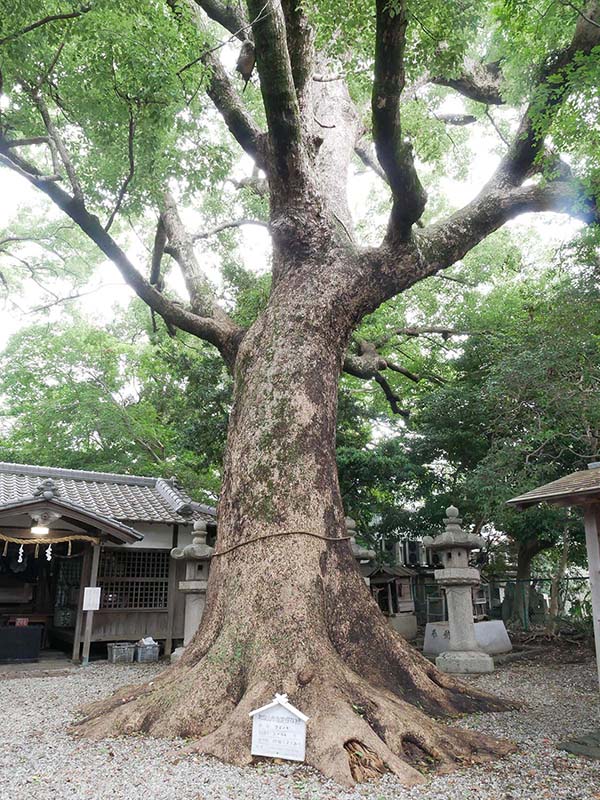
x: 578, y: 488
x: 115, y: 530
x: 398, y: 571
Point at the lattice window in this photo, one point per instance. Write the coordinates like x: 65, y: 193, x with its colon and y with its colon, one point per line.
x: 134, y: 579
x: 67, y: 592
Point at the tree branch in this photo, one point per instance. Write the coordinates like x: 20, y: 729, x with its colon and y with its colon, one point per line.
x: 234, y: 223
x: 393, y: 151
x: 446, y: 242
x: 229, y: 103
x: 357, y: 367
x: 300, y: 42
x: 503, y: 197
x: 230, y: 16
x: 160, y: 240
x: 130, y: 173
x: 392, y: 398
x: 480, y: 82
x: 551, y: 90
x: 55, y: 139
x: 45, y: 21
x: 258, y: 185
x: 31, y: 140
x: 456, y: 119
x: 181, y: 247
x: 369, y: 365
x: 363, y: 151
x: 219, y: 331
x: 288, y: 164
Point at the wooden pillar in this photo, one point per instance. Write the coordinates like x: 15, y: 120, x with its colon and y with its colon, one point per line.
x: 89, y: 618
x: 85, y: 574
x: 389, y: 599
x: 172, y: 588
x: 592, y: 540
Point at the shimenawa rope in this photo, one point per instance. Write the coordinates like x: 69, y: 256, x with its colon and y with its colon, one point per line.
x: 281, y: 533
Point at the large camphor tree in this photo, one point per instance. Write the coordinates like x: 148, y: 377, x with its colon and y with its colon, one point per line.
x: 104, y: 110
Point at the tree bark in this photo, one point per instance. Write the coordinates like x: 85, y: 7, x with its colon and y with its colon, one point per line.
x: 526, y: 552
x: 555, y: 604
x: 287, y: 609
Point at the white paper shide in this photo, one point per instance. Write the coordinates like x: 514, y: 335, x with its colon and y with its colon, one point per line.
x: 279, y: 730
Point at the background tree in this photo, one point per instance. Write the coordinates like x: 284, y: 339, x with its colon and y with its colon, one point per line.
x: 105, y: 112
x: 520, y: 410
x: 82, y: 397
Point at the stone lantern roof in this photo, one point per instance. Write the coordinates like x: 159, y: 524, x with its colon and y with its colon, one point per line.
x: 453, y: 535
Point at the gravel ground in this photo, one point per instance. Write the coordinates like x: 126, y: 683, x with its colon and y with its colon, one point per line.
x: 41, y: 762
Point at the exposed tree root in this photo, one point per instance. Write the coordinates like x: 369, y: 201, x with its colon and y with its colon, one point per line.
x: 365, y: 765
x: 322, y: 641
x: 356, y: 731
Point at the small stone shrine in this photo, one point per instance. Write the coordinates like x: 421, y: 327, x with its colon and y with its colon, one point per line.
x: 279, y: 730
x: 457, y: 577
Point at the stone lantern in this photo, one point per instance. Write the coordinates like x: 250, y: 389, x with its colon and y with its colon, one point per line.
x: 457, y: 578
x: 359, y: 552
x: 197, y: 557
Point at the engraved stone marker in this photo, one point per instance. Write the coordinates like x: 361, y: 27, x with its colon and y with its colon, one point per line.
x: 279, y: 730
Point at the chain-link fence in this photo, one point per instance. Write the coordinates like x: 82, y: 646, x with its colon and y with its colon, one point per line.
x: 538, y: 602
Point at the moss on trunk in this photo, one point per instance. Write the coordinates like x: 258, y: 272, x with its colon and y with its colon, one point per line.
x: 290, y: 612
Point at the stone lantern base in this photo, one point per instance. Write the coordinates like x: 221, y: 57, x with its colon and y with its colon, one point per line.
x: 466, y: 662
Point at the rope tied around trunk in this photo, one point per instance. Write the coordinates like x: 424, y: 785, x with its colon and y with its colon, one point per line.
x: 281, y: 533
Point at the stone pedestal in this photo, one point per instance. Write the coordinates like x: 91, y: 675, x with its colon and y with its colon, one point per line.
x: 197, y: 556
x: 457, y: 578
x: 491, y: 636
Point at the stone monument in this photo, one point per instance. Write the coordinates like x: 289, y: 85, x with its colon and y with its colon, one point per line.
x: 197, y: 557
x: 464, y: 654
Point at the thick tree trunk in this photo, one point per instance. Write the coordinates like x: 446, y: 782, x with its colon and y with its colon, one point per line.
x: 526, y: 552
x: 555, y: 605
x: 287, y: 609
x: 522, y: 587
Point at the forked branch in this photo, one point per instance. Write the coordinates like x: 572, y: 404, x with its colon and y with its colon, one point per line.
x: 555, y: 82
x: 229, y: 15
x: 393, y: 150
x: 367, y: 370
x: 504, y: 196
x: 218, y: 330
x: 288, y: 167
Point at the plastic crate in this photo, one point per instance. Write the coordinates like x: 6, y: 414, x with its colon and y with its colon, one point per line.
x: 120, y: 652
x: 145, y: 653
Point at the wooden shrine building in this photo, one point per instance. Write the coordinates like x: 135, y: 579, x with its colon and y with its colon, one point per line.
x: 63, y: 530
x: 577, y: 489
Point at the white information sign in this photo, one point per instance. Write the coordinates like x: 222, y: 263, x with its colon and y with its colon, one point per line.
x: 91, y: 598
x: 279, y: 730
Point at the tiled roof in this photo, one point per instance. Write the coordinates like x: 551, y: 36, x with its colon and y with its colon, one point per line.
x: 128, y: 498
x: 578, y: 485
x: 397, y: 571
